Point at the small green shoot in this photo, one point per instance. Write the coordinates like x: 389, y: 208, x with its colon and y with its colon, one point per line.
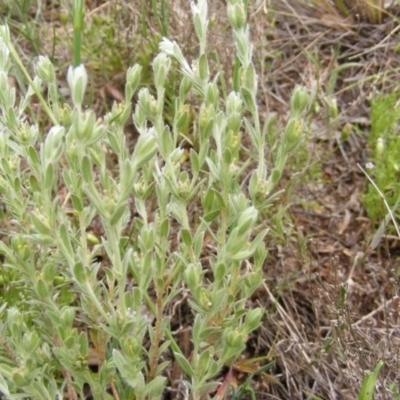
x: 369, y: 382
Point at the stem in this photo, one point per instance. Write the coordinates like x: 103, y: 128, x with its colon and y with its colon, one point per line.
x: 117, y: 266
x: 155, y: 346
x: 82, y: 228
x: 185, y: 224
x: 260, y: 146
x: 89, y: 291
x: 114, y: 390
x: 77, y: 16
x: 21, y: 66
x: 70, y: 389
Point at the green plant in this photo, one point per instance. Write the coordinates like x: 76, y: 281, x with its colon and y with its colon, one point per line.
x: 246, y: 388
x: 20, y: 17
x: 369, y: 382
x: 385, y: 154
x: 55, y: 185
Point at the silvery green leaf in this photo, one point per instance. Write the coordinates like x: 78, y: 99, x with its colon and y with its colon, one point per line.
x: 128, y: 371
x: 5, y: 33
x: 83, y: 344
x: 220, y: 272
x: 4, y: 387
x: 79, y: 273
x: 118, y: 214
x: 65, y: 241
x: 249, y: 100
x: 86, y: 168
x: 164, y: 228
x: 48, y: 177
x: 274, y: 177
x: 40, y: 226
x: 184, y: 364
x: 166, y: 144
x: 155, y: 387
x: 249, y: 78
x: 186, y: 237
x: 198, y: 244
x: 195, y: 162
x: 33, y: 158
x: 4, y: 57
x: 42, y: 289
x: 198, y: 27
x: 161, y: 367
x: 77, y: 203
x: 184, y: 89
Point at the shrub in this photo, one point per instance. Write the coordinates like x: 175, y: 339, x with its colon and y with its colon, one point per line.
x: 157, y: 204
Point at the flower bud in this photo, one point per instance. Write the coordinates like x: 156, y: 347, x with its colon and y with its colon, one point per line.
x: 253, y: 320
x: 53, y: 146
x: 182, y: 116
x: 161, y: 66
x: 27, y: 134
x: 234, y: 338
x: 237, y: 16
x: 211, y: 95
x: 148, y: 104
x: 132, y: 81
x: 292, y: 135
x: 346, y: 132
x: 299, y: 101
x: 192, y: 276
x: 145, y: 148
x: 247, y: 220
x: 20, y: 247
x: 45, y: 70
x: 77, y: 81
x: 234, y: 104
x: 333, y: 108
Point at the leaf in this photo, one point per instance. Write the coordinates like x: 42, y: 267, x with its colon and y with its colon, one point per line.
x: 65, y: 240
x: 86, y: 168
x: 184, y: 364
x: 186, y: 237
x: 42, y: 288
x: 80, y: 273
x: 39, y: 225
x: 155, y: 387
x: 313, y: 396
x: 368, y: 386
x: 76, y: 202
x: 248, y: 100
x: 48, y: 177
x: 117, y: 214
